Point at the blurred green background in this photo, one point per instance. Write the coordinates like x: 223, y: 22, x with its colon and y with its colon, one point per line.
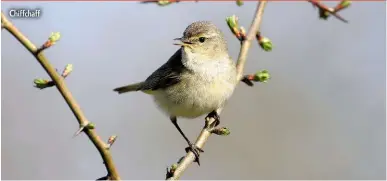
x: 321, y: 116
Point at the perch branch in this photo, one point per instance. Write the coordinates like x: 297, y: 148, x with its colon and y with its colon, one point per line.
x: 205, y: 133
x: 65, y: 92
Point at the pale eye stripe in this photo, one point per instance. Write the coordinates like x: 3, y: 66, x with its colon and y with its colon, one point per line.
x: 206, y: 35
x: 213, y: 35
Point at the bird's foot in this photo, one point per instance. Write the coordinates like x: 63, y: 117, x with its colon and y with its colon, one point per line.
x: 195, y: 150
x: 214, y: 115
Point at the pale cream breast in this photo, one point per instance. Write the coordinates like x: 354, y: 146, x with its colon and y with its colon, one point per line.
x: 199, y: 92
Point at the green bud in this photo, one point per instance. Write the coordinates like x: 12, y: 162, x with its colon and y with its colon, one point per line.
x: 232, y: 22
x: 324, y: 14
x: 262, y: 76
x: 90, y: 125
x: 171, y: 170
x: 239, y: 2
x: 43, y: 83
x: 173, y: 167
x: 163, y: 2
x: 266, y: 44
x: 68, y: 69
x: 221, y: 131
x: 345, y: 3
x: 112, y: 139
x: 54, y: 37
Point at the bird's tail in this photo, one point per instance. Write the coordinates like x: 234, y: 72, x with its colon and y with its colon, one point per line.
x: 128, y: 88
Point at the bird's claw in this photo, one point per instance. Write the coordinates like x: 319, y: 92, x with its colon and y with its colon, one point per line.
x: 196, y: 151
x: 214, y: 115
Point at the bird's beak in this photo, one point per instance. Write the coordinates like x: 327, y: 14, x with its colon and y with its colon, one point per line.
x: 182, y: 42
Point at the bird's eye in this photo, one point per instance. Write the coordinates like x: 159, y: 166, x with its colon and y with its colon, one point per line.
x: 202, y: 39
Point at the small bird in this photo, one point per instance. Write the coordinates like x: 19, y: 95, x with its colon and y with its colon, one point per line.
x: 198, y: 79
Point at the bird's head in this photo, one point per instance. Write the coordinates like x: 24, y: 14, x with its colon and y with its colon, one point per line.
x: 203, y: 38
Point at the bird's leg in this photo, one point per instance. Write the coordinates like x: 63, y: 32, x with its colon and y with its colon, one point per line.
x: 191, y: 147
x: 215, y: 115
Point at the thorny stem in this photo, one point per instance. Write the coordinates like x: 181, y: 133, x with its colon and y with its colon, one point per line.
x: 65, y: 92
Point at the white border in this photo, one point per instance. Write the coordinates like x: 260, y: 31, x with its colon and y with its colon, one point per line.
x: 0, y: 93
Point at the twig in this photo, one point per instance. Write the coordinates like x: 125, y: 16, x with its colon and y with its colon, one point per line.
x: 322, y: 8
x: 205, y: 133
x: 65, y: 92
x: 255, y: 25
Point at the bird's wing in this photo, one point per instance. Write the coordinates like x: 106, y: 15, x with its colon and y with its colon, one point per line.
x: 167, y: 75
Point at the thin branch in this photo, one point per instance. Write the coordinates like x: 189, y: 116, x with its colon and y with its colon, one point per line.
x: 323, y: 8
x: 255, y: 25
x: 190, y: 157
x: 206, y: 132
x: 65, y: 92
